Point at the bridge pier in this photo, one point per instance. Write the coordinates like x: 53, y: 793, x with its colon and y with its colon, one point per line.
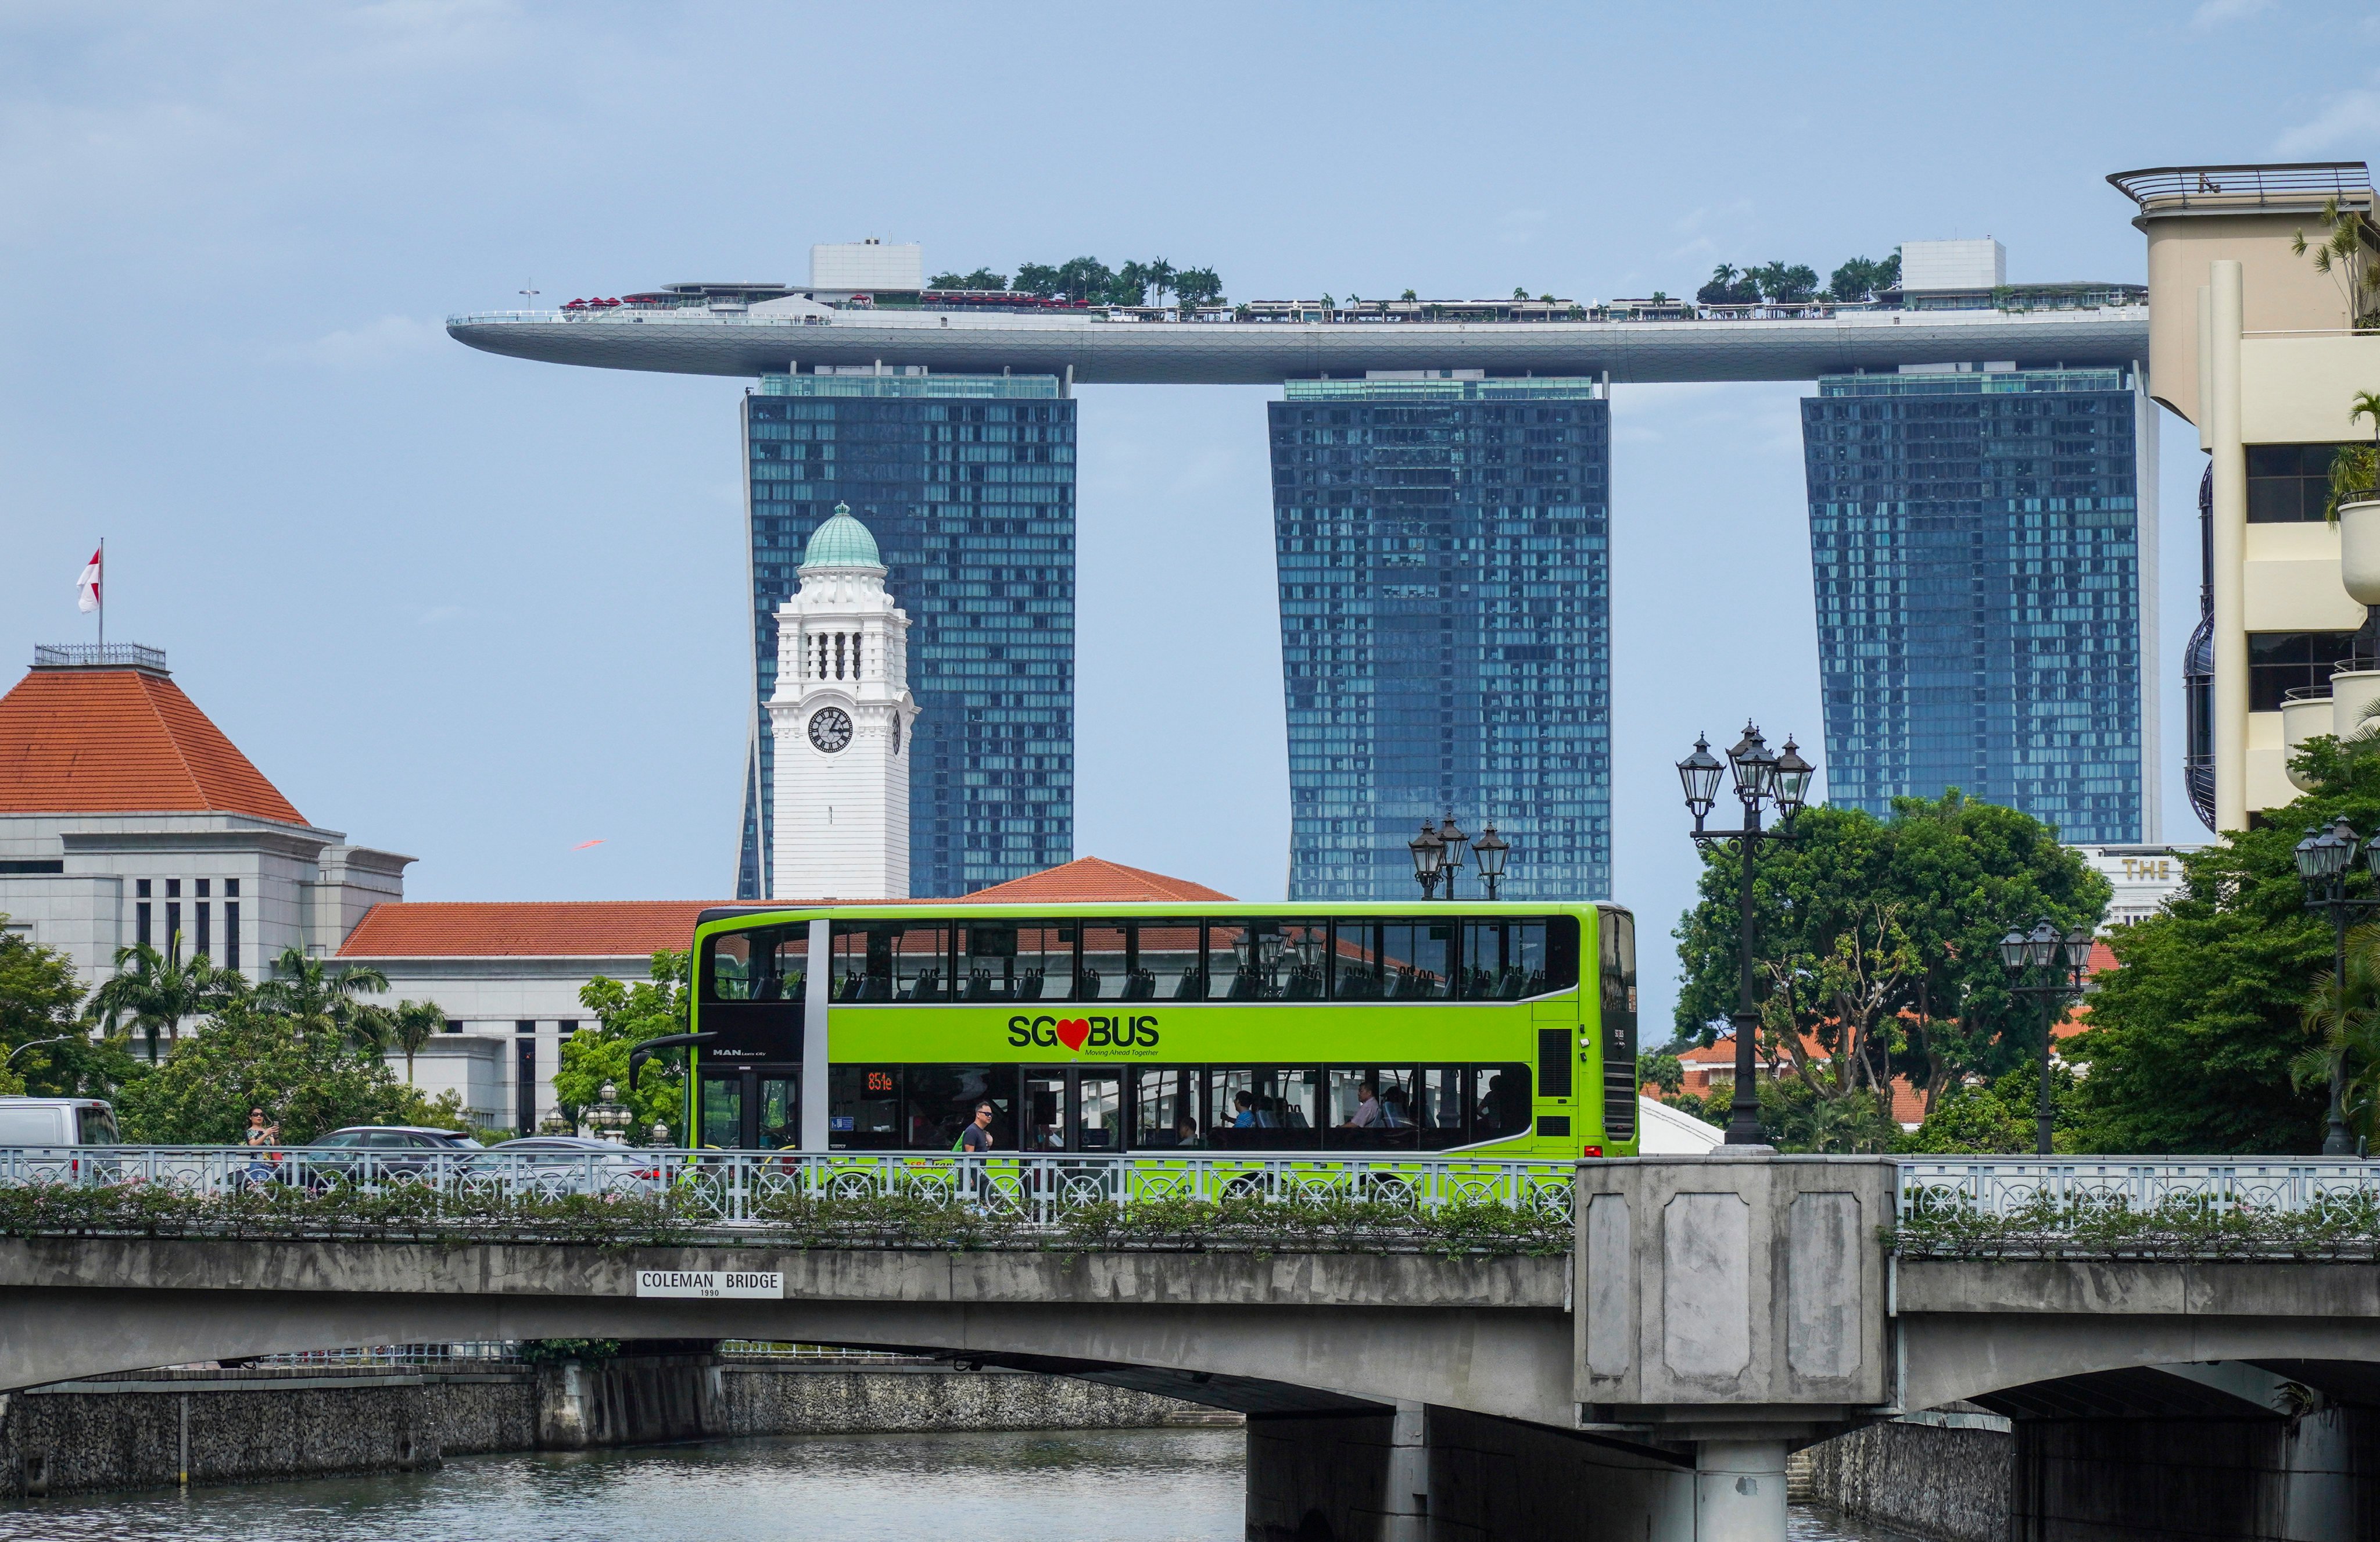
x: 1427, y: 1473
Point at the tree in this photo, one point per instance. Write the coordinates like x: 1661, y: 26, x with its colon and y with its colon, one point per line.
x: 46, y: 1049
x: 984, y: 278
x: 321, y: 999
x: 1038, y: 279
x: 1863, y: 278
x: 1785, y: 283
x: 2348, y: 250
x: 249, y: 1055
x: 1729, y: 286
x: 1878, y: 940
x: 1970, y: 1119
x: 626, y: 1016
x: 1196, y: 287
x: 416, y: 1023
x: 946, y: 281
x: 150, y: 994
x: 2190, y: 1042
x: 1659, y: 1067
x: 1086, y: 278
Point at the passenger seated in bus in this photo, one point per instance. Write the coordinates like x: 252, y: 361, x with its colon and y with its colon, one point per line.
x: 1499, y: 1107
x: 1367, y: 1109
x: 1394, y: 1113
x: 1185, y: 1132
x: 1244, y: 1115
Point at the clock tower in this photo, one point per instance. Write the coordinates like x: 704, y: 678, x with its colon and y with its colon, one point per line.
x: 841, y: 718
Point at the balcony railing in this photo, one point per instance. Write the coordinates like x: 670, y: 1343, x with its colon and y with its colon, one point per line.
x: 93, y: 655
x: 2004, y: 1185
x: 2295, y: 184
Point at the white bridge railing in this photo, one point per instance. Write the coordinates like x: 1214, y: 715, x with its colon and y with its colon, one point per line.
x: 2003, y: 1185
x: 732, y: 1186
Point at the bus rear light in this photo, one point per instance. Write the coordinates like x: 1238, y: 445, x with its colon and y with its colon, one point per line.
x: 1593, y: 1151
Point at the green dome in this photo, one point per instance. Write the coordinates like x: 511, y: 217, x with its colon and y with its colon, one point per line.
x: 842, y: 541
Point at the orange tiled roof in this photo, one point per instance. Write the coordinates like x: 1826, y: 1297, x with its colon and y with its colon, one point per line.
x: 122, y: 741
x: 633, y: 928
x: 524, y: 929
x: 1093, y: 881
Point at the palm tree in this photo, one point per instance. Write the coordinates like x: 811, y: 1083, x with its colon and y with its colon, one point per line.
x: 416, y: 1022
x: 319, y: 998
x: 2349, y: 251
x: 156, y: 994
x: 2348, y: 1026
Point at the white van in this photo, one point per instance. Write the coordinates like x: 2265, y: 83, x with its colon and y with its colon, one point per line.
x: 57, y: 1122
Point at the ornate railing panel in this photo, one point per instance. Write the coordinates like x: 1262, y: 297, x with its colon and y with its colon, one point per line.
x: 731, y: 1188
x: 2003, y: 1185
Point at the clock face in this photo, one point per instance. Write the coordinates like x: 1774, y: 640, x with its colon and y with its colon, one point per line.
x: 830, y: 728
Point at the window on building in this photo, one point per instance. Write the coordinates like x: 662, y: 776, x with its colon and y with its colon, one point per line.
x: 141, y: 934
x: 231, y: 927
x: 202, y: 887
x: 141, y: 888
x: 453, y: 1025
x: 231, y: 888
x: 2289, y: 483
x: 173, y: 926
x: 173, y: 888
x: 2279, y: 662
x: 205, y: 918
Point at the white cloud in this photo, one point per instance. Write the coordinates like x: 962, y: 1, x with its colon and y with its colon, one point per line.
x: 2350, y: 116
x: 2214, y: 13
x: 368, y: 346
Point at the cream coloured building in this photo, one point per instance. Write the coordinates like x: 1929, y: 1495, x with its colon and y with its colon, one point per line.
x: 2254, y: 347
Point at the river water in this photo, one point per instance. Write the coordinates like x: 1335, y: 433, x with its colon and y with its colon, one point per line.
x: 1104, y: 1486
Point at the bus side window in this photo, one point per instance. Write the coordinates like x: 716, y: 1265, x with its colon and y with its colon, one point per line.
x: 1501, y: 1105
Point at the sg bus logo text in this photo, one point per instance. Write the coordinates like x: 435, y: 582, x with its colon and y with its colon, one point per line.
x: 1077, y: 1033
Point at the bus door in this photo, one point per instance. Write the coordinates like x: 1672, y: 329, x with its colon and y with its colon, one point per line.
x: 1071, y: 1108
x: 751, y: 1107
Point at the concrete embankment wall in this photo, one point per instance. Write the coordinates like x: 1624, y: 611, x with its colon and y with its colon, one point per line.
x: 256, y: 1425
x: 1945, y: 1478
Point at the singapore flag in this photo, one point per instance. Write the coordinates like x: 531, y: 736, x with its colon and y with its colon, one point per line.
x: 87, y: 586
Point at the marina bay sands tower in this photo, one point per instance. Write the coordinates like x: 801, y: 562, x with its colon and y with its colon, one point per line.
x: 1443, y: 531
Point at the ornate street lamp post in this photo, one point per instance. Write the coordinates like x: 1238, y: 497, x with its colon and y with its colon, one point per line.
x: 2061, y: 961
x: 1761, y: 777
x: 1428, y: 856
x: 2325, y: 859
x: 1438, y: 856
x: 1492, y: 850
x: 611, y: 1117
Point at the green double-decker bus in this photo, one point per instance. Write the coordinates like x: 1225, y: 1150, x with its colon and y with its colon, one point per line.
x: 1498, y: 1030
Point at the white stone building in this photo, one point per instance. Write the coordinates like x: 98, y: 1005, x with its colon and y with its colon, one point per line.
x: 841, y: 718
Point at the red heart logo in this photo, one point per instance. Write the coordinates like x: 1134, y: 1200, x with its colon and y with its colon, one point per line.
x: 1072, y: 1031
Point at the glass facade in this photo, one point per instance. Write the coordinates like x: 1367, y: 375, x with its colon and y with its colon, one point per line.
x: 1974, y: 543
x: 968, y: 484
x: 1445, y: 628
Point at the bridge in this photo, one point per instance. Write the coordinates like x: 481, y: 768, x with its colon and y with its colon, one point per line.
x: 1707, y: 1315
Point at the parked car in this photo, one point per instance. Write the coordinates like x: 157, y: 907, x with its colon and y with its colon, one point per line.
x: 394, y: 1151
x: 566, y: 1164
x: 57, y: 1122
x: 43, y: 1140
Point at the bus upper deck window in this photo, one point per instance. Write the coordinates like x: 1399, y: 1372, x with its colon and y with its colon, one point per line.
x: 731, y: 966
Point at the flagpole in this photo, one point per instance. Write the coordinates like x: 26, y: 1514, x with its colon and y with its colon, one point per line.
x: 102, y: 595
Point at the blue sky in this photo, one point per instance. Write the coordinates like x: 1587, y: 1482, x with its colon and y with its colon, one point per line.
x: 482, y: 611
